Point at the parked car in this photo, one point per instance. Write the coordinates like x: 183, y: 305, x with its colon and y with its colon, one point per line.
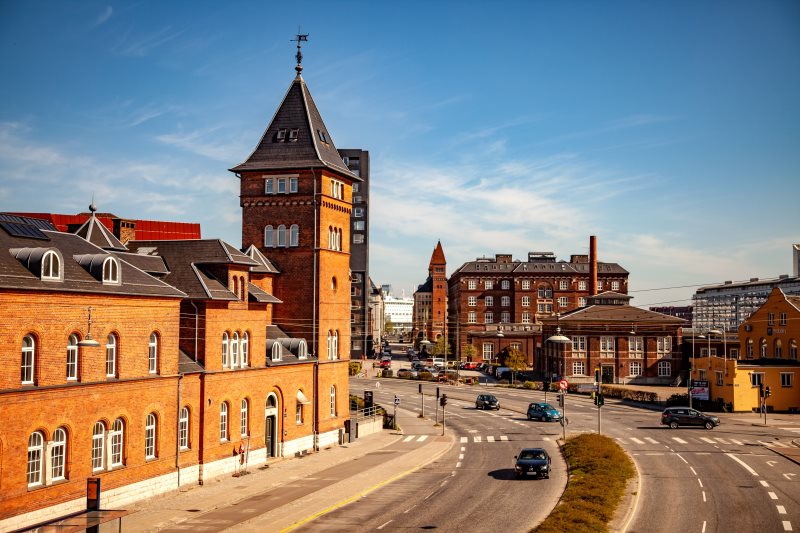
x: 532, y: 462
x: 386, y: 363
x: 684, y: 416
x: 544, y: 412
x: 404, y: 373
x: 486, y: 401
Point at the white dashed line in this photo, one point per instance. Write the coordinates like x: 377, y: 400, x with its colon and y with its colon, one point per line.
x: 745, y: 465
x: 737, y: 442
x: 477, y: 438
x: 701, y: 482
x: 384, y: 525
x: 651, y: 440
x: 409, y: 438
x: 503, y: 437
x: 781, y: 509
x: 681, y: 458
x: 693, y: 471
x: 458, y: 464
x: 704, y: 527
x: 722, y: 441
x: 704, y: 495
x: 637, y: 441
x: 463, y: 449
x: 772, y: 495
x: 490, y: 439
x: 707, y: 440
x: 679, y: 440
x: 464, y: 439
x: 422, y: 438
x: 787, y: 526
x: 461, y: 457
x: 764, y: 483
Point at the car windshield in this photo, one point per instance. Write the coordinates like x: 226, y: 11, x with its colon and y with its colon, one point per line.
x: 531, y: 454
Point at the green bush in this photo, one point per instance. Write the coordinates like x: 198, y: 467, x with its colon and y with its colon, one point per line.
x: 611, y: 391
x: 531, y: 385
x: 678, y: 399
x: 354, y: 368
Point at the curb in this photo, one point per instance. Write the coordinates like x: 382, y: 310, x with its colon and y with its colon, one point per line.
x: 633, y: 492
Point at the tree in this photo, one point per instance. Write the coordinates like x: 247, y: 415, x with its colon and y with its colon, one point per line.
x: 441, y: 347
x: 468, y: 352
x: 516, y: 361
x: 389, y: 326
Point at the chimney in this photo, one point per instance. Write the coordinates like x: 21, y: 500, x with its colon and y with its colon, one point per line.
x: 592, y: 265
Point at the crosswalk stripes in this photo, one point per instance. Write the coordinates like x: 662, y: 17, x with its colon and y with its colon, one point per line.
x: 706, y: 440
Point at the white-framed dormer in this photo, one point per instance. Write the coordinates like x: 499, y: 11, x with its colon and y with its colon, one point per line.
x: 275, y: 354
x: 111, y: 271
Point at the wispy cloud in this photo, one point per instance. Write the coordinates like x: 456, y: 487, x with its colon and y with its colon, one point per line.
x: 632, y: 121
x: 140, y: 46
x: 103, y: 17
x: 205, y: 143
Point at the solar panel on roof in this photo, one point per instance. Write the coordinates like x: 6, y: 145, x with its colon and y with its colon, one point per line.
x: 17, y: 229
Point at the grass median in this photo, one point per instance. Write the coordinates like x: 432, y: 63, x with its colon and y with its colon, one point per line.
x: 599, y: 471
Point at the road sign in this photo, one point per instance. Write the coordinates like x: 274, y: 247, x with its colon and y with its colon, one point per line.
x: 396, y: 400
x: 563, y: 384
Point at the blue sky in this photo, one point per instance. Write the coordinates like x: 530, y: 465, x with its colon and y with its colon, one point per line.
x: 671, y: 130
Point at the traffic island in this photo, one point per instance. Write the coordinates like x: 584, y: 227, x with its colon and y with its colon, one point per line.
x: 599, y: 470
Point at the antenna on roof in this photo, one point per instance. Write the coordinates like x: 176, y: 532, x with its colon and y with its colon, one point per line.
x: 301, y: 38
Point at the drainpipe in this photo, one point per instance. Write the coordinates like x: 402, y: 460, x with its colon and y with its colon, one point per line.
x: 178, y: 433
x: 314, y: 424
x: 196, y: 320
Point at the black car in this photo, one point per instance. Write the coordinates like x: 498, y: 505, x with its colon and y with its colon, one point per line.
x: 532, y: 462
x: 486, y: 401
x: 675, y: 417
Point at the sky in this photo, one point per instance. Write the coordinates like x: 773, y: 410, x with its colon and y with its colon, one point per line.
x: 671, y: 130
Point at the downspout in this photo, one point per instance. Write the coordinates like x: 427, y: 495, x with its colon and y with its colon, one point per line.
x: 178, y: 433
x: 196, y: 325
x: 314, y: 421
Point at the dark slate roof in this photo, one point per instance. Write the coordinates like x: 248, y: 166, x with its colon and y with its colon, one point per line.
x: 265, y: 267
x: 297, y: 111
x: 96, y: 233
x: 288, y: 347
x: 187, y: 365
x: 486, y: 266
x: 427, y: 286
x: 260, y: 295
x: 617, y: 313
x: 185, y: 261
x: 152, y: 264
x: 14, y: 274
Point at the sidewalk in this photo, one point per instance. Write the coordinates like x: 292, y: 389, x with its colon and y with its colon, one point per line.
x: 213, y: 505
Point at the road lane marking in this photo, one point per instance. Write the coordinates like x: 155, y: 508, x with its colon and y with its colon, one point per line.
x: 422, y: 438
x: 745, y: 465
x: 764, y: 483
x: 701, y: 482
x: 787, y: 526
x: 772, y: 495
x: 781, y: 509
x: 761, y: 442
x: 384, y: 525
x: 461, y: 457
x: 545, y: 438
x: 463, y: 448
x: 637, y: 441
x: 722, y: 441
x: 706, y: 439
x: 407, y: 510
x: 737, y: 442
x: 789, y: 476
x: 503, y: 437
x: 704, y: 527
x: 704, y: 495
x: 477, y: 438
x: 772, y: 463
x: 693, y: 471
x: 490, y: 438
x: 458, y: 464
x: 679, y: 440
x: 651, y: 440
x: 464, y: 439
x: 681, y: 458
x: 409, y: 438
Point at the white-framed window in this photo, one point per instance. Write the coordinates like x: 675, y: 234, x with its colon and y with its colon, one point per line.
x: 526, y: 301
x: 244, y: 344
x: 294, y: 235
x: 770, y: 319
x: 787, y: 379
x: 545, y: 292
x: 615, y: 285
x: 244, y: 414
x: 505, y: 301
x: 563, y: 284
x: 358, y: 238
x: 268, y: 187
x: 526, y: 318
x: 51, y: 266
x: 488, y: 301
x: 110, y: 270
x: 488, y: 284
x: 298, y: 413
x: 541, y: 308
x: 58, y: 454
x: 756, y: 379
x: 269, y: 237
x: 582, y: 302
x: 578, y: 346
x: 356, y: 186
x: 599, y: 285
x: 505, y: 284
x: 563, y: 301
x: 293, y: 133
x: 225, y: 344
x: 35, y: 459
x: 719, y: 378
x: 488, y: 317
x: 488, y: 352
x: 183, y: 429
x: 762, y: 351
x: 28, y: 366
x: 235, y: 349
x: 98, y: 446
x: 793, y: 349
x: 358, y: 212
x: 223, y: 421
x: 526, y: 284
x: 117, y: 435
x: 359, y: 225
x: 150, y: 437
x: 472, y: 284
x: 635, y: 368
x: 782, y: 319
x: 472, y: 317
x: 505, y: 317
x: 778, y: 352
x: 664, y: 369
x: 606, y: 346
x: 72, y: 358
x: 635, y: 346
x: 333, y: 401
x: 292, y: 184
x: 582, y: 285
x: 357, y: 199
x: 704, y: 352
x: 281, y: 185
x: 302, y: 349
x: 281, y: 236
x: 703, y: 374
x: 111, y: 356
x: 275, y: 352
x: 663, y: 346
x: 579, y: 368
x: 337, y: 189
x: 152, y: 353
x: 734, y: 353
x: 472, y: 301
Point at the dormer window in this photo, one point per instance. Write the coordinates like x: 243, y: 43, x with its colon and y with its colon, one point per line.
x: 302, y: 350
x: 276, y: 351
x: 322, y: 136
x: 110, y: 270
x: 293, y: 134
x: 281, y: 135
x: 51, y: 266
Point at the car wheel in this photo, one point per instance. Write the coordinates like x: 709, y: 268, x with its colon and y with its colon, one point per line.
x: 673, y: 425
x: 709, y: 425
x: 530, y: 417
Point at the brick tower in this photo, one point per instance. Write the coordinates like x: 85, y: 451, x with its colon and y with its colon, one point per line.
x: 296, y: 204
x: 436, y: 273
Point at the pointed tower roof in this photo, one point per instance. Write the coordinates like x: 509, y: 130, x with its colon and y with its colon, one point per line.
x: 296, y: 138
x: 96, y: 233
x: 437, y: 258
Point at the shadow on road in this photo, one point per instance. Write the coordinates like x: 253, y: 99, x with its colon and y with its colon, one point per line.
x: 503, y: 473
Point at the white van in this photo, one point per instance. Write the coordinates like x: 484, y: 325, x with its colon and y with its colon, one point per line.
x: 438, y: 362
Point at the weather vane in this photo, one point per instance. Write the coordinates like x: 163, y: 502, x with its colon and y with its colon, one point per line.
x: 301, y: 38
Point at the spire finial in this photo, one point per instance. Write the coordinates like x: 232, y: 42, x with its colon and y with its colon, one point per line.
x: 301, y: 38
x: 92, y: 207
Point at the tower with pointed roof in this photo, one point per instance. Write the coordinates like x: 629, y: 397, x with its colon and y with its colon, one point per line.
x: 296, y: 199
x: 430, y: 300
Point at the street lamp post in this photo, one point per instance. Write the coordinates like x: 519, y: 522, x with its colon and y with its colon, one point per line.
x: 691, y: 366
x: 558, y: 338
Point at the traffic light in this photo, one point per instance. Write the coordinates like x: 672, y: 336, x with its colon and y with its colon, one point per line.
x: 420, y: 388
x: 437, y: 392
x: 760, y: 390
x: 767, y: 393
x: 443, y: 400
x: 597, y: 375
x: 561, y: 400
x: 600, y: 401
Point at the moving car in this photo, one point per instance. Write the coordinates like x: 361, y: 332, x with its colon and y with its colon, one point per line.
x: 543, y: 411
x: 685, y: 416
x: 486, y: 401
x: 386, y: 363
x: 532, y: 462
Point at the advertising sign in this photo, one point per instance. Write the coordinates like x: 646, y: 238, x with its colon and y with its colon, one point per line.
x: 699, y: 390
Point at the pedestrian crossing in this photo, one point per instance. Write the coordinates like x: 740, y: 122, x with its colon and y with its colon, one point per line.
x: 704, y: 440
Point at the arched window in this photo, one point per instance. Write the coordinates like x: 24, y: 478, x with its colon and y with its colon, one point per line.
x: 235, y: 350
x: 183, y: 429
x: 98, y: 446
x: 330, y: 345
x: 243, y: 424
x: 333, y: 400
x: 111, y: 356
x: 762, y: 347
x: 334, y: 284
x: 152, y: 357
x: 117, y: 442
x: 245, y: 344
x: 276, y: 351
x: 224, y: 349
x: 236, y: 287
x: 150, y: 437
x: 269, y: 237
x: 72, y: 358
x: 35, y: 458
x: 242, y: 288
x: 223, y: 421
x: 58, y: 453
x: 294, y: 235
x: 110, y: 270
x: 28, y: 359
x: 778, y: 349
x: 793, y: 349
x: 302, y: 350
x: 272, y: 402
x: 330, y: 238
x: 335, y: 345
x: 51, y: 266
x: 281, y: 235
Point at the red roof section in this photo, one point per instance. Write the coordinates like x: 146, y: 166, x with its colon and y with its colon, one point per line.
x: 149, y: 230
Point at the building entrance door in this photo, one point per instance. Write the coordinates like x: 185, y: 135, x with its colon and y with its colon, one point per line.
x: 607, y: 373
x: 269, y: 435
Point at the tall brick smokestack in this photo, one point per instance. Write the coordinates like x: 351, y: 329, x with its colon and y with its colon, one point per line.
x: 592, y: 265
